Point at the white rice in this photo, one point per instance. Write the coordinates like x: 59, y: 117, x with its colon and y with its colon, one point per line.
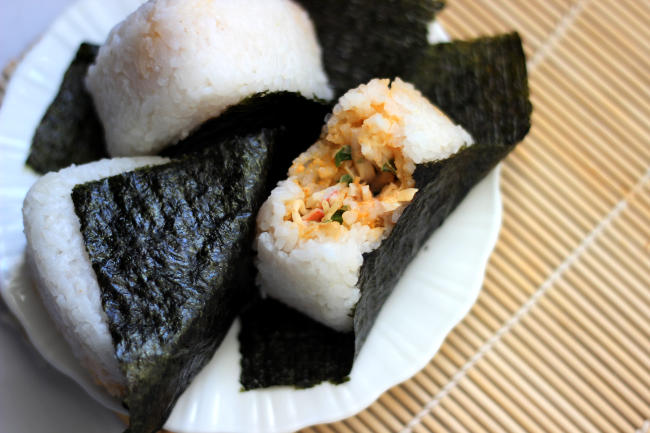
x: 172, y: 64
x: 319, y: 276
x: 316, y: 276
x: 424, y: 132
x: 64, y: 275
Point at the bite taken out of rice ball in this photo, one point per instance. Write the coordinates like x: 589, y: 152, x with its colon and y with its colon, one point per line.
x: 173, y: 64
x: 345, y: 194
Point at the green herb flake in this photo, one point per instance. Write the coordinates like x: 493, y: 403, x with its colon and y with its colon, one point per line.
x: 338, y: 216
x: 346, y: 179
x: 389, y: 167
x: 344, y: 154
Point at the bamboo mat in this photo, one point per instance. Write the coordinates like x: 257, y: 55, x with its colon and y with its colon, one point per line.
x: 559, y: 340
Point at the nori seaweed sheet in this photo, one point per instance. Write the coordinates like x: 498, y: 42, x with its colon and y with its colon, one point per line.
x: 297, y: 119
x: 483, y: 86
x: 70, y: 131
x: 269, y: 355
x: 171, y: 248
x: 364, y: 39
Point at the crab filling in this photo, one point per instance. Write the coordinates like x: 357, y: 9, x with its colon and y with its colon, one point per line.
x: 355, y: 174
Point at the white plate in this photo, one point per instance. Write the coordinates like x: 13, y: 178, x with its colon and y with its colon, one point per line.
x: 436, y: 292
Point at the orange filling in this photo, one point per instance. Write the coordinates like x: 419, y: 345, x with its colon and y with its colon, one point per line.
x: 355, y: 174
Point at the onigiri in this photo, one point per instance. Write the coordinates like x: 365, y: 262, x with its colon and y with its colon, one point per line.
x: 173, y: 64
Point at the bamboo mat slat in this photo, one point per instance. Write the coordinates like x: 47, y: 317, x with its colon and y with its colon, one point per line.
x: 559, y: 339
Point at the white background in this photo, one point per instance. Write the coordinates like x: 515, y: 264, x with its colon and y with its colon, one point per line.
x: 23, y: 21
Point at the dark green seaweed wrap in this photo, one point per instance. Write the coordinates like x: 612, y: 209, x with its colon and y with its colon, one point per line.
x: 365, y: 39
x: 171, y: 248
x: 483, y: 86
x: 70, y: 131
x: 281, y: 346
x: 298, y: 121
